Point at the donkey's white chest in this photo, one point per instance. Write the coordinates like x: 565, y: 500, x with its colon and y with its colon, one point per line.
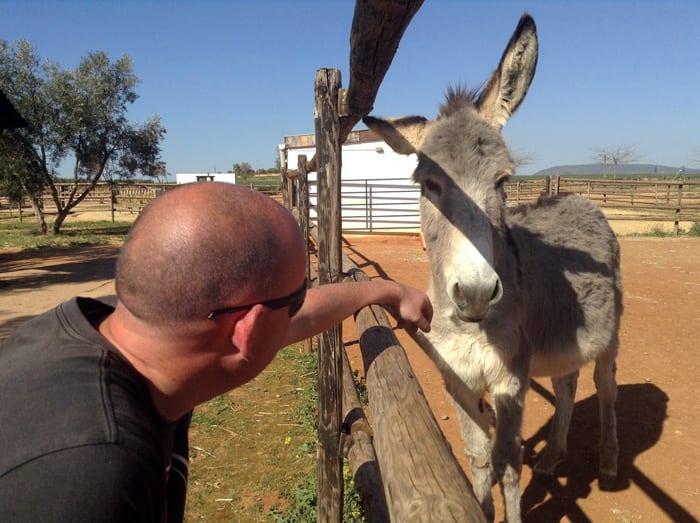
x: 471, y: 357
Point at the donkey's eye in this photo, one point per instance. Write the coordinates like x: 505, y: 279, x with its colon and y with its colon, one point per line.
x: 429, y: 186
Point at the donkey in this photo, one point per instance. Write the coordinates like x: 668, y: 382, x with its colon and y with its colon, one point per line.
x: 530, y: 290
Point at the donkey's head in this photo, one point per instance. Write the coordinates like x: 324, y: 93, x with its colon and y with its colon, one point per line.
x: 463, y: 163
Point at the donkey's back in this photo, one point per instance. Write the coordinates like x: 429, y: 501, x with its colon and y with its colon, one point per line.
x: 569, y: 268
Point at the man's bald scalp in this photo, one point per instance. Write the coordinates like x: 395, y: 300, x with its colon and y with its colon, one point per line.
x: 199, y: 247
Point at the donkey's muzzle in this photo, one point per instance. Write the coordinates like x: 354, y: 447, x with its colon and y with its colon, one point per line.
x: 474, y: 301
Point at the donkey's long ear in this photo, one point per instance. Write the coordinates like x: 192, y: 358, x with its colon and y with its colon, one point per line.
x: 403, y: 135
x: 509, y: 83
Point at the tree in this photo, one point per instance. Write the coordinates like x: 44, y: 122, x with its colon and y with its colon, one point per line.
x: 243, y: 170
x: 244, y: 173
x: 22, y: 159
x: 80, y: 116
x: 20, y: 174
x: 617, y: 155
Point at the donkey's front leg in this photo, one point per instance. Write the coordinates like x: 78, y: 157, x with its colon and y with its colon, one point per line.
x: 477, y: 446
x: 507, y: 449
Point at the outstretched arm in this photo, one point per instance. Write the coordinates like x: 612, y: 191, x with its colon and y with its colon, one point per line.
x: 327, y: 305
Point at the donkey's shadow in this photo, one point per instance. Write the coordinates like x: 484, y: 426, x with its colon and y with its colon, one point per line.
x: 641, y: 410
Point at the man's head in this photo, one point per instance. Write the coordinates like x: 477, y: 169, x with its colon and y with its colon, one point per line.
x: 206, y: 246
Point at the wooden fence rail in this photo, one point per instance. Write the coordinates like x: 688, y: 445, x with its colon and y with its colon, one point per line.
x: 402, y: 464
x: 369, y: 206
x: 116, y: 198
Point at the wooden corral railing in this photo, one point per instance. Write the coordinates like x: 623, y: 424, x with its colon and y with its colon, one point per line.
x: 386, y: 205
x: 410, y: 458
x: 402, y: 465
x: 408, y: 455
x: 658, y: 200
x: 116, y: 198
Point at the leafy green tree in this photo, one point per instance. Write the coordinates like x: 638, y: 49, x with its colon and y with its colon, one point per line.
x: 244, y: 173
x: 20, y: 174
x: 79, y: 116
x: 243, y: 170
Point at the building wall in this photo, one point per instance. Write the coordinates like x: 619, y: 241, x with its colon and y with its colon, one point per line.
x: 364, y: 161
x: 204, y: 177
x: 375, y: 181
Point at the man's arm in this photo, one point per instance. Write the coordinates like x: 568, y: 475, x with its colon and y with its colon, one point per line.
x: 327, y: 305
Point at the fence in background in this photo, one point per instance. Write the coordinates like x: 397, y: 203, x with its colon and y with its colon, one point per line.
x: 392, y: 204
x: 369, y: 206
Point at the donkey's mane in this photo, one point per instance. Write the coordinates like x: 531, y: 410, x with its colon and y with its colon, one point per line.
x: 456, y: 98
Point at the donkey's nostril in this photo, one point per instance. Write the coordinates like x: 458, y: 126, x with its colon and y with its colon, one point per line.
x: 497, y: 293
x: 458, y: 295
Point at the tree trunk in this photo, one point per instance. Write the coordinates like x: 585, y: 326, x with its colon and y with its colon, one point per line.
x: 35, y: 202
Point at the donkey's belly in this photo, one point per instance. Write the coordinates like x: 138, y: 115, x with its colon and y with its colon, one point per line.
x: 564, y: 355
x: 557, y: 364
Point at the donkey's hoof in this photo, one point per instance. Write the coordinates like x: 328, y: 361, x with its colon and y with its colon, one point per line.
x: 607, y: 479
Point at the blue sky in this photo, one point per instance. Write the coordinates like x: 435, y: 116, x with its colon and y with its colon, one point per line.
x: 231, y: 79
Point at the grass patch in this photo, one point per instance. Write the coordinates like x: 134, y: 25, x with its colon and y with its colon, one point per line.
x: 25, y: 235
x: 658, y: 232
x: 694, y: 230
x: 253, y: 450
x: 252, y: 447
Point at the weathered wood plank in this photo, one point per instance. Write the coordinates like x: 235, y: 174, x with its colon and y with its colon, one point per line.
x: 361, y: 457
x: 422, y: 479
x: 330, y: 362
x: 377, y: 28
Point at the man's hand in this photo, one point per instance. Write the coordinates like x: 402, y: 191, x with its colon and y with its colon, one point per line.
x: 413, y: 310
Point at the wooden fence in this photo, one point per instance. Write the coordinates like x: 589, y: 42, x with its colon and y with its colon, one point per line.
x: 407, y: 457
x: 117, y: 198
x: 370, y: 205
x: 639, y: 200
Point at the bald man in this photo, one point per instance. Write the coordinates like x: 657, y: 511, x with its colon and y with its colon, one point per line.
x: 96, y: 400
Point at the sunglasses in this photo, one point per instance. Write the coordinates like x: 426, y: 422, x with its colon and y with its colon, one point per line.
x: 294, y: 301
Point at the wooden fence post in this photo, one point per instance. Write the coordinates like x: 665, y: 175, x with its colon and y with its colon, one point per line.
x: 286, y: 199
x: 304, y: 221
x: 677, y: 215
x: 330, y: 360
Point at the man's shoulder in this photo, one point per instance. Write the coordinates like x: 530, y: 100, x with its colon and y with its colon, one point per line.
x: 66, y: 387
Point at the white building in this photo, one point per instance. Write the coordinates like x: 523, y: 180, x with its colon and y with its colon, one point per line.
x: 376, y: 188
x: 205, y: 177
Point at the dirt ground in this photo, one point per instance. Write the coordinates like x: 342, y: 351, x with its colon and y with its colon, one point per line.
x: 658, y: 405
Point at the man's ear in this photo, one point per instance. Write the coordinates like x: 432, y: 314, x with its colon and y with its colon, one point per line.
x: 244, y: 329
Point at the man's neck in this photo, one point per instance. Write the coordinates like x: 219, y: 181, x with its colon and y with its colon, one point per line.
x: 171, y: 367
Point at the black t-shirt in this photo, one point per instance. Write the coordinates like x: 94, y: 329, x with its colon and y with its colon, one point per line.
x: 80, y: 438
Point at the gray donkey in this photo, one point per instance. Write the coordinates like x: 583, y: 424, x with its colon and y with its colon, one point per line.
x: 530, y: 290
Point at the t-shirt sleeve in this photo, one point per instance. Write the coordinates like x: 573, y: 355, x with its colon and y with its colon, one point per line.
x: 88, y: 483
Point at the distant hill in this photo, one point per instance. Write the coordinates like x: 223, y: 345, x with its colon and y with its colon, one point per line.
x: 624, y: 169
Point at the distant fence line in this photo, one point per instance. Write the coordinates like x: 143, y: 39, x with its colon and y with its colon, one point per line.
x: 117, y: 198
x: 379, y: 205
x: 390, y: 205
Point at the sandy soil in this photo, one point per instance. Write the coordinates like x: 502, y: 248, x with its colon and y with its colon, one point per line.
x: 658, y: 405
